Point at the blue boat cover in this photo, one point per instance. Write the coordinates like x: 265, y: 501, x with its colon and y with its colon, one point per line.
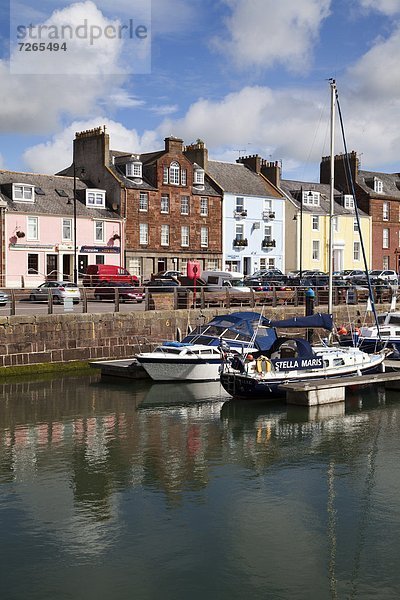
x: 322, y: 320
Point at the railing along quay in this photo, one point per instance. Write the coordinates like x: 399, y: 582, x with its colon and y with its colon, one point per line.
x: 19, y: 302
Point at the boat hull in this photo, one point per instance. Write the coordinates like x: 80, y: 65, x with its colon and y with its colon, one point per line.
x: 245, y: 386
x: 181, y: 369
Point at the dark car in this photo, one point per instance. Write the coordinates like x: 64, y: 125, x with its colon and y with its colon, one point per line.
x: 126, y: 293
x: 161, y: 285
x: 167, y: 275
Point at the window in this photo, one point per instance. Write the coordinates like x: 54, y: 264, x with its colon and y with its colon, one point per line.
x: 22, y: 192
x: 378, y: 186
x: 385, y: 263
x: 32, y: 228
x: 165, y: 174
x: 311, y: 198
x: 204, y: 238
x: 33, y: 264
x: 165, y: 203
x: 204, y: 207
x: 355, y: 225
x: 198, y: 176
x: 239, y: 232
x: 164, y: 235
x: 356, y: 251
x: 100, y: 259
x: 268, y: 233
x: 174, y: 172
x: 239, y: 207
x: 267, y: 205
x: 315, y: 250
x: 385, y: 238
x: 315, y: 223
x: 96, y: 198
x: 385, y: 211
x: 67, y: 230
x: 183, y: 177
x: 335, y: 224
x: 99, y: 231
x: 267, y: 263
x: 184, y: 205
x: 143, y: 201
x: 348, y: 201
x: 134, y: 169
x: 185, y: 235
x: 135, y: 267
x: 212, y: 264
x: 143, y: 233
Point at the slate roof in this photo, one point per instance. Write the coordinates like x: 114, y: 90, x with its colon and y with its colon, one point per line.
x: 390, y: 183
x: 293, y: 188
x: 236, y: 178
x: 51, y: 203
x: 147, y: 159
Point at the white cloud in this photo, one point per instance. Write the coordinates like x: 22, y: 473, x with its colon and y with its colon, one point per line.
x: 56, y: 154
x: 36, y: 104
x: 265, y: 33
x: 387, y: 7
x: 167, y: 109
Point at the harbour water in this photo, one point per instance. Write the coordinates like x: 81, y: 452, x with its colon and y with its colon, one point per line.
x: 117, y: 491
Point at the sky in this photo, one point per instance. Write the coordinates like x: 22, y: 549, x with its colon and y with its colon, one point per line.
x: 245, y: 76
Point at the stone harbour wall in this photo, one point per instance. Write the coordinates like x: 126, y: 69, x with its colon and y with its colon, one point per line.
x: 34, y: 340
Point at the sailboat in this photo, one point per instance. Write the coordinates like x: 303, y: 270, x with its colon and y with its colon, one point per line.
x: 296, y: 359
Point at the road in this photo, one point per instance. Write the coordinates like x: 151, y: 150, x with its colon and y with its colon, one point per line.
x: 27, y: 307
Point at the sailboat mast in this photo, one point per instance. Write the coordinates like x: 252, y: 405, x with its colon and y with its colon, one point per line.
x: 331, y: 196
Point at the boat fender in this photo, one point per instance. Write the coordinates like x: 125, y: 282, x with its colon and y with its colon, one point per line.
x: 342, y: 330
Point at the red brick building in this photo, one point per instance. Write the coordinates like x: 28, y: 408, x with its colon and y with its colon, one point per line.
x: 172, y: 209
x: 377, y: 194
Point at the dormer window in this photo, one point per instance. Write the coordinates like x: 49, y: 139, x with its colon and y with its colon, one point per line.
x: 21, y: 192
x: 348, y: 201
x: 134, y: 169
x: 311, y: 198
x: 174, y: 173
x: 198, y: 176
x: 96, y: 198
x: 378, y: 186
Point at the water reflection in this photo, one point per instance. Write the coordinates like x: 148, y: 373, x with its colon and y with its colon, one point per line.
x: 95, y: 472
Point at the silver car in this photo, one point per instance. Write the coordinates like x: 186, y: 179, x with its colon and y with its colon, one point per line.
x: 3, y: 298
x: 60, y: 291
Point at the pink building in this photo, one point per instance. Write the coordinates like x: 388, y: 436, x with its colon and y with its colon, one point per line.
x: 38, y: 222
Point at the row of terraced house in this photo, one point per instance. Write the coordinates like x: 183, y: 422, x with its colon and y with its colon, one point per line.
x: 154, y: 211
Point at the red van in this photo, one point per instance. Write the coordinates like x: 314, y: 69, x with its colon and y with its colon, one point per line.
x: 95, y: 274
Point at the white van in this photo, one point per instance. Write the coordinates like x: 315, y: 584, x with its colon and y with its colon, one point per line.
x: 218, y: 281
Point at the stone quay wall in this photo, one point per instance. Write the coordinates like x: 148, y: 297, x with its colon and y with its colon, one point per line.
x: 34, y: 340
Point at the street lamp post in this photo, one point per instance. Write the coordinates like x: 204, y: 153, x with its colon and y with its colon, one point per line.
x: 74, y: 227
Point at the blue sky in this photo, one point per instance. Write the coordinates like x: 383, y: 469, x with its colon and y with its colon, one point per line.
x: 246, y: 76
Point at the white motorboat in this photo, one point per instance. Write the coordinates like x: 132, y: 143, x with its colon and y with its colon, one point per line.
x: 177, y: 361
x: 386, y: 334
x: 292, y: 360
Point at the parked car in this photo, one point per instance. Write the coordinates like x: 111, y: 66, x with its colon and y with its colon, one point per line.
x: 167, y: 274
x: 161, y: 285
x: 384, y: 275
x: 127, y: 293
x: 3, y: 298
x: 60, y: 291
x: 96, y: 274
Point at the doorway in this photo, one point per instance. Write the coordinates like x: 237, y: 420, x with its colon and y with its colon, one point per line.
x: 52, y: 267
x: 247, y: 265
x: 66, y: 267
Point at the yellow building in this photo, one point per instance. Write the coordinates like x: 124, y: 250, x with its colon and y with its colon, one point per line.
x: 307, y: 229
